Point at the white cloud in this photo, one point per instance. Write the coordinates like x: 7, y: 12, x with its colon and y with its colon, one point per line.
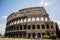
x: 43, y: 3
x: 2, y: 28
x: 4, y: 17
x: 46, y: 4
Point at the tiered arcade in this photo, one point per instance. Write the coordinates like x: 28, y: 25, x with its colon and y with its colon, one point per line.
x: 31, y: 22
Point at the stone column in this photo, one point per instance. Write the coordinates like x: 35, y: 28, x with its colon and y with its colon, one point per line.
x: 48, y: 19
x: 31, y: 36
x: 39, y: 18
x: 22, y: 35
x: 36, y: 36
x: 44, y: 18
x: 26, y: 35
x: 41, y: 36
x: 50, y: 27
x: 16, y: 21
x: 22, y: 27
x: 40, y: 27
x: 36, y: 27
x: 31, y: 27
x: 45, y: 26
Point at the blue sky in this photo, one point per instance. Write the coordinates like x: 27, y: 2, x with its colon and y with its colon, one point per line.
x: 9, y: 6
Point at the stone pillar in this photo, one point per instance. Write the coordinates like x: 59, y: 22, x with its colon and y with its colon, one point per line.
x: 39, y: 18
x: 26, y: 35
x: 40, y: 27
x: 41, y: 36
x: 15, y: 35
x: 31, y: 36
x: 18, y: 35
x: 22, y: 35
x: 19, y: 20
x: 16, y: 21
x: 36, y: 36
x: 45, y: 26
x: 22, y: 27
x: 50, y: 27
x: 36, y: 27
x: 44, y: 18
x: 31, y: 27
x: 48, y: 19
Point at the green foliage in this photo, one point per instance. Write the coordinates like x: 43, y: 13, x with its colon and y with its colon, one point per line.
x: 0, y: 34
x: 53, y: 36
x: 45, y: 37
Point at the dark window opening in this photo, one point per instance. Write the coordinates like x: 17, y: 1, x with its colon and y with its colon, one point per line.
x: 24, y: 27
x: 43, y: 33
x: 29, y: 35
x: 29, y: 27
x: 33, y: 27
x: 38, y: 26
x: 38, y: 35
x: 21, y: 27
x: 24, y: 35
x: 48, y: 34
x: 47, y: 26
x: 28, y: 11
x: 33, y: 35
x: 43, y: 27
x: 17, y: 28
x: 52, y: 27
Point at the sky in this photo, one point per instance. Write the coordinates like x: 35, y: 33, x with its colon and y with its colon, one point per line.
x: 9, y: 6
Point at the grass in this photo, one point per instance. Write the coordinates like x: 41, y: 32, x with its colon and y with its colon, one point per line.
x: 19, y: 39
x: 13, y: 39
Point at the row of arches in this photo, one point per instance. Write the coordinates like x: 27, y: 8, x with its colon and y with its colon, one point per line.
x: 29, y: 20
x: 27, y: 35
x: 30, y: 27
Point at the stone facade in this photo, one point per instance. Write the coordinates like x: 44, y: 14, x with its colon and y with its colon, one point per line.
x: 31, y: 22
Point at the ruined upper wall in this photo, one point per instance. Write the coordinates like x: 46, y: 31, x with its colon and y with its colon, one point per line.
x: 37, y: 11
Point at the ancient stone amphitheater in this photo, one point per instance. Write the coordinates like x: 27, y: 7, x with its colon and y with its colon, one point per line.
x: 33, y: 22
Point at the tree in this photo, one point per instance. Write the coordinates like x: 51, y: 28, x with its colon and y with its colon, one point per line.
x: 0, y: 34
x: 57, y: 30
x: 45, y: 37
x: 53, y: 37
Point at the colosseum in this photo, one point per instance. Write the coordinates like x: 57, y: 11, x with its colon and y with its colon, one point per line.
x: 33, y: 22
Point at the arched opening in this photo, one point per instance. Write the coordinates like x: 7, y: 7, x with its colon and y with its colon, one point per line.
x: 17, y: 28
x: 43, y: 27
x: 21, y: 21
x: 24, y: 27
x: 24, y: 35
x: 38, y: 35
x: 46, y: 19
x: 43, y: 34
x: 47, y: 26
x: 20, y: 35
x: 48, y: 34
x: 33, y: 19
x: 29, y: 27
x: 33, y: 35
x: 38, y: 26
x: 33, y: 27
x: 29, y: 19
x: 25, y: 20
x: 14, y: 22
x: 29, y: 35
x: 37, y: 19
x: 14, y: 28
x: 17, y: 21
x: 21, y: 27
x: 42, y: 19
x: 51, y: 26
